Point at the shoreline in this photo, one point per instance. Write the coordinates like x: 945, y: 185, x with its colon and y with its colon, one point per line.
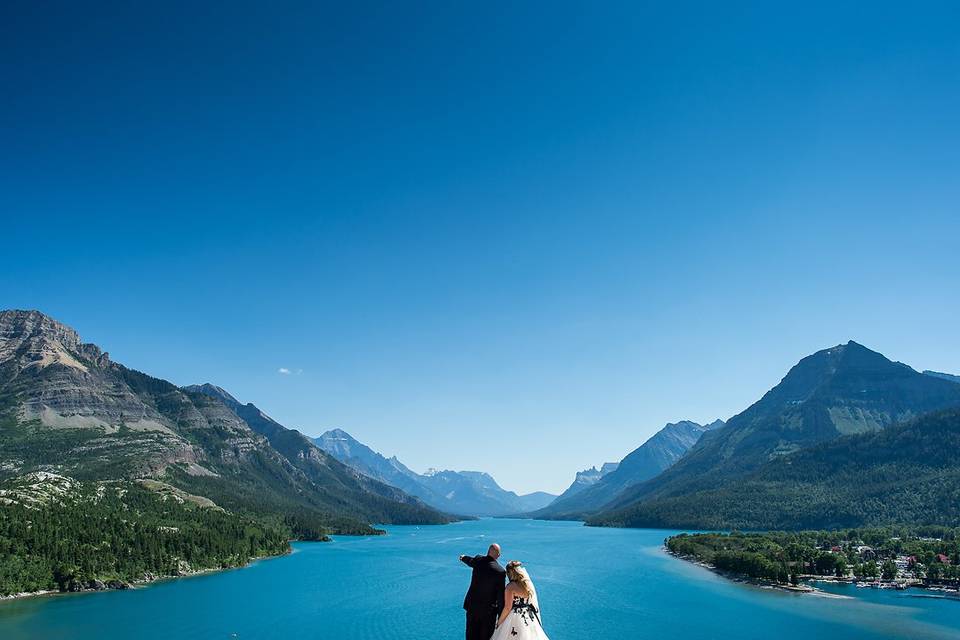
x: 145, y: 582
x: 742, y: 579
x: 141, y: 582
x: 807, y: 588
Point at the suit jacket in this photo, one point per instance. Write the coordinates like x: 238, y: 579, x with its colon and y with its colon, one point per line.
x: 486, y: 584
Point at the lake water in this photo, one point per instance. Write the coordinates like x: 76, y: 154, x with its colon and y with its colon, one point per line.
x: 593, y: 583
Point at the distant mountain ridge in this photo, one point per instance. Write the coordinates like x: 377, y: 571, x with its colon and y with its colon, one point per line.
x: 350, y: 451
x: 471, y: 493
x: 656, y: 454
x: 846, y: 390
x: 942, y: 376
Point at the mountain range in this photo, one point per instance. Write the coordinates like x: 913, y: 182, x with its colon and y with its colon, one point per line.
x: 776, y: 463
x: 67, y: 409
x: 472, y: 493
x: 847, y: 437
x: 96, y: 457
x: 658, y: 453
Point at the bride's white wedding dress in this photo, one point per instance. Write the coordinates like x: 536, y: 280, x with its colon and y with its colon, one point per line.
x: 522, y: 623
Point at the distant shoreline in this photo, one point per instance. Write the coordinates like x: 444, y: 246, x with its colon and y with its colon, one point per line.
x: 143, y: 582
x: 806, y: 588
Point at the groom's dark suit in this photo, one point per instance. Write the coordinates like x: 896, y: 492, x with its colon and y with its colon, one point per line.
x: 484, y: 599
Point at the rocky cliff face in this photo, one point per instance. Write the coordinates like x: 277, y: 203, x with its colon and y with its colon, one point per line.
x: 55, y: 381
x: 587, y: 478
x: 65, y: 407
x: 63, y: 382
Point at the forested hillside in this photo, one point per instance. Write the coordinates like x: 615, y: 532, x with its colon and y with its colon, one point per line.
x: 908, y: 473
x: 842, y: 391
x: 61, y: 534
x: 68, y: 412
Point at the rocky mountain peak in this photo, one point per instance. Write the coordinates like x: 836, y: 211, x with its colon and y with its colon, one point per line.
x: 25, y: 324
x: 213, y: 391
x: 342, y: 445
x: 34, y: 339
x: 592, y: 475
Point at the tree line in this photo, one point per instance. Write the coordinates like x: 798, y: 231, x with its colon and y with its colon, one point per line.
x: 123, y: 533
x: 783, y: 557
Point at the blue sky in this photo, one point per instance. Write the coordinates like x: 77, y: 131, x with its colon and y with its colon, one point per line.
x: 474, y: 233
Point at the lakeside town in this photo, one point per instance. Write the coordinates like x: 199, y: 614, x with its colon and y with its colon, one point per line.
x: 887, y: 558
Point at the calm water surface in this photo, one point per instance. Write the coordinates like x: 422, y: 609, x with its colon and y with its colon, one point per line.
x: 593, y: 583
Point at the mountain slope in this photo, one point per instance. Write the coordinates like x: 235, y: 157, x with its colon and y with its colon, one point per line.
x: 59, y: 533
x: 659, y: 452
x: 68, y: 408
x: 906, y: 474
x: 844, y: 390
x: 341, y: 484
x: 463, y: 492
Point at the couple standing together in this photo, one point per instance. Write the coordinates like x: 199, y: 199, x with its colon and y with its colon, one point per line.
x: 497, y: 612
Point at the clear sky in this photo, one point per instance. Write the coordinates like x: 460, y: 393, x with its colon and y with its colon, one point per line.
x: 479, y: 235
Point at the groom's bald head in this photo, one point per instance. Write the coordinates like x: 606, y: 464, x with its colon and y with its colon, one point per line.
x: 494, y: 551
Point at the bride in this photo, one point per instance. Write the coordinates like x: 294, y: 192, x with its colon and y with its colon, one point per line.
x: 520, y: 618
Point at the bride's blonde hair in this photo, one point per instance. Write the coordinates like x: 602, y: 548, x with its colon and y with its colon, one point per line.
x: 518, y: 573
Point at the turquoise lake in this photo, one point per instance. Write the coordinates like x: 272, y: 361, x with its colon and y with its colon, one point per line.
x: 615, y: 583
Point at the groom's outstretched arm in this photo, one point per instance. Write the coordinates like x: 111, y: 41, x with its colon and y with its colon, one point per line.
x: 468, y: 560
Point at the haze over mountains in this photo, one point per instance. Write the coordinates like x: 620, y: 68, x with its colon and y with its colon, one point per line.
x: 462, y: 492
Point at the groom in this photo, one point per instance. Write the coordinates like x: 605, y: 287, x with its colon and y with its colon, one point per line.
x: 484, y: 599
